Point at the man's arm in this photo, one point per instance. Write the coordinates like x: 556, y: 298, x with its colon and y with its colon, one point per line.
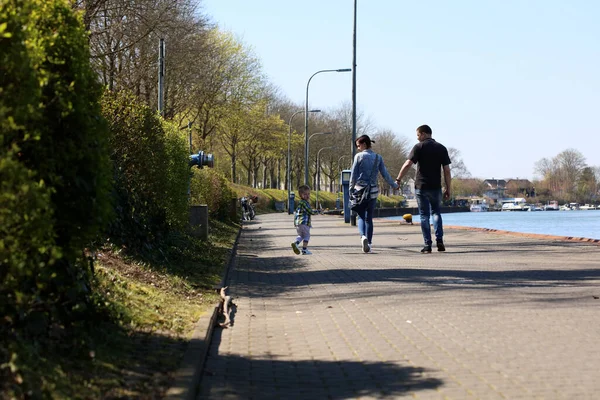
x: 448, y: 180
x: 404, y: 170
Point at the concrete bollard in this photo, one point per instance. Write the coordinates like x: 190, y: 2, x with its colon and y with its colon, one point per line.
x: 199, y: 221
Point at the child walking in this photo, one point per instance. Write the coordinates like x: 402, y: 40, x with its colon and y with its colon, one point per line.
x: 302, y: 221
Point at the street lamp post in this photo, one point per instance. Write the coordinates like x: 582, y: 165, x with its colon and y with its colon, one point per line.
x: 289, y: 175
x: 306, y: 152
x: 306, y: 118
x: 319, y: 174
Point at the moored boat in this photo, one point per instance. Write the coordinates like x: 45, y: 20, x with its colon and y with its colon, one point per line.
x: 514, y: 204
x: 552, y: 206
x: 478, y: 205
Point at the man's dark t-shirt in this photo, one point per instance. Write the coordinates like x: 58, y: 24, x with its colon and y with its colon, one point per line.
x: 429, y: 156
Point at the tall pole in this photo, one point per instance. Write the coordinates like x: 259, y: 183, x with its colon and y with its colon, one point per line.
x: 289, y: 178
x: 354, y: 85
x: 161, y: 76
x: 190, y: 132
x: 306, y: 118
x: 289, y: 154
x: 308, y: 144
x: 352, y: 145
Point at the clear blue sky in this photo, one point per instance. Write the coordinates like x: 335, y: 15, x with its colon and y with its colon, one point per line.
x: 505, y: 82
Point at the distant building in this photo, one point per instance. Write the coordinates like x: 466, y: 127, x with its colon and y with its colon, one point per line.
x: 496, y: 188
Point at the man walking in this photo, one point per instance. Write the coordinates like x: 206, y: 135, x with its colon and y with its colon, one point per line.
x: 431, y: 158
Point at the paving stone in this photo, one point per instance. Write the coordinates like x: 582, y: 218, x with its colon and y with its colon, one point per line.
x: 494, y: 317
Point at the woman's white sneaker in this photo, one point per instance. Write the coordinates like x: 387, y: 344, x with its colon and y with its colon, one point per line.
x: 365, y: 244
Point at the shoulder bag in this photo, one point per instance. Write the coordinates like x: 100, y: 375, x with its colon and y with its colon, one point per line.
x: 360, y: 197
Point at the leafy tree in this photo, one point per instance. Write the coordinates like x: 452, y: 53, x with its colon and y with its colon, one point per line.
x: 232, y: 136
x: 54, y: 172
x: 468, y: 187
x: 587, y: 186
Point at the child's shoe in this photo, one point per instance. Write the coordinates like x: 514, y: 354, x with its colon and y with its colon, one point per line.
x: 295, y: 248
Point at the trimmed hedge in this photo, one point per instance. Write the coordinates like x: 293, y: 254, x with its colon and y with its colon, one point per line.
x: 151, y: 174
x: 210, y: 187
x: 55, y: 175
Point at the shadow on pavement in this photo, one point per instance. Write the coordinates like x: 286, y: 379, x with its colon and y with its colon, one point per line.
x: 238, y: 377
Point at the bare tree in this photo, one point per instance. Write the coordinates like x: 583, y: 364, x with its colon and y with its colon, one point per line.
x: 562, y: 173
x: 457, y: 167
x: 394, y: 151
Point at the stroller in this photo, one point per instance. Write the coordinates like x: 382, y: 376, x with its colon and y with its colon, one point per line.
x: 247, y: 203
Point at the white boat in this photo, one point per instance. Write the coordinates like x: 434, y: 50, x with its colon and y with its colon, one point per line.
x: 569, y: 207
x: 588, y: 207
x: 516, y: 204
x: 479, y: 206
x: 535, y: 207
x: 552, y: 206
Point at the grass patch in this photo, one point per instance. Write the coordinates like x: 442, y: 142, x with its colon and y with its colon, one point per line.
x: 268, y: 197
x: 147, y: 310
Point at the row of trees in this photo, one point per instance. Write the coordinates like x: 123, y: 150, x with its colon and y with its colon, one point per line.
x: 566, y: 178
x: 215, y: 85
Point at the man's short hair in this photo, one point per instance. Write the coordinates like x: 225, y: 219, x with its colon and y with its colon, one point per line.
x: 304, y: 189
x: 424, y: 129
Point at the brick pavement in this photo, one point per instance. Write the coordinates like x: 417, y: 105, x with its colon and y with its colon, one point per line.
x: 494, y: 317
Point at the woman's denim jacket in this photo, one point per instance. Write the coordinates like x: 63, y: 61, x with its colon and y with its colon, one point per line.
x: 362, y: 169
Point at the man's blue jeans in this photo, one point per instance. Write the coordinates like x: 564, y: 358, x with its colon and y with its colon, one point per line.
x: 429, y: 202
x: 365, y: 219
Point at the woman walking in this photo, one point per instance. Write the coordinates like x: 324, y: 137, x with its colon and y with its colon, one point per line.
x: 366, y: 168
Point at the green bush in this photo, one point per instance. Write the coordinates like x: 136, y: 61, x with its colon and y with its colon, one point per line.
x: 178, y: 177
x: 150, y: 170
x: 211, y: 188
x: 54, y: 172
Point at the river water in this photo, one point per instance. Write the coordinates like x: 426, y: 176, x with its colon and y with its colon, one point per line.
x: 582, y: 223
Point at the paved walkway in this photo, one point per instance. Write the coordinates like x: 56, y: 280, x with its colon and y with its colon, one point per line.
x: 494, y: 317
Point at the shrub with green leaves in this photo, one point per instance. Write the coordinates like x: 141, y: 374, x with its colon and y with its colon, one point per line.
x: 210, y: 187
x: 55, y: 172
x: 150, y: 170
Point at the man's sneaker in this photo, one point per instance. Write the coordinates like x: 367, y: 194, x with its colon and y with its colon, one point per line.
x: 440, y: 245
x: 295, y: 248
x: 306, y: 252
x: 426, y: 249
x: 365, y: 244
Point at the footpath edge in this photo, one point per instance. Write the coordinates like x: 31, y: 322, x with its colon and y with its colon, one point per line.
x: 187, y: 378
